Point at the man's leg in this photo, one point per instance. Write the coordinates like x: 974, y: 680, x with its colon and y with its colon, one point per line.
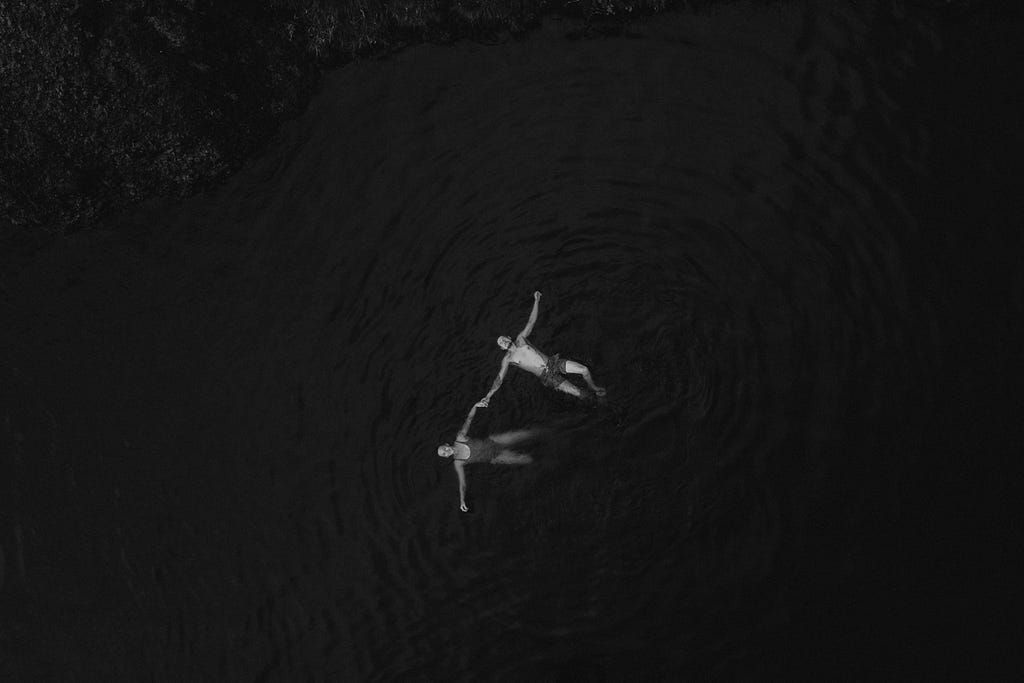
x: 569, y: 388
x: 575, y: 368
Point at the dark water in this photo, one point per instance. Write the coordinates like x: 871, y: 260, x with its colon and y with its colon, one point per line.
x: 223, y: 414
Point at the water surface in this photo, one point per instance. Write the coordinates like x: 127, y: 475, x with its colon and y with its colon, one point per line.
x: 239, y: 479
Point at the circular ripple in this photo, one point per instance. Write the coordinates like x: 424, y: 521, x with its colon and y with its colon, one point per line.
x: 712, y: 222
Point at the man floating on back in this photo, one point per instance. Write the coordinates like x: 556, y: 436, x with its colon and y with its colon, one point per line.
x: 551, y: 370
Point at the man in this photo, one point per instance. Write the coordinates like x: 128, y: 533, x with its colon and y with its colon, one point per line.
x: 550, y: 369
x: 494, y: 449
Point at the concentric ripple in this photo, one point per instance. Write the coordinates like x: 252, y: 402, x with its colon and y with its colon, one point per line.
x: 712, y: 212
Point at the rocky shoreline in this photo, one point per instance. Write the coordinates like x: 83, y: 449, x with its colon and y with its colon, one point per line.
x: 107, y: 105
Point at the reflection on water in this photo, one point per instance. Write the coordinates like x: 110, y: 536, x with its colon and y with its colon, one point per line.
x: 714, y: 214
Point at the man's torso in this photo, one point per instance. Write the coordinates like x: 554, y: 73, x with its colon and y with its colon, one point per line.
x: 528, y: 357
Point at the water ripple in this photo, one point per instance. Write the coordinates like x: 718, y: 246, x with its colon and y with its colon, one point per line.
x: 710, y: 215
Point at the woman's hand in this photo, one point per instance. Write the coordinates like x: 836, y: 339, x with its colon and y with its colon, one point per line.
x: 462, y: 506
x: 536, y: 296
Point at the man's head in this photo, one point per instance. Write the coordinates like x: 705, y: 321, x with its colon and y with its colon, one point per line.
x: 504, y: 342
x: 445, y: 450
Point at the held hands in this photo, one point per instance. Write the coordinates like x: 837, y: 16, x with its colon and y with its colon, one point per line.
x: 483, y: 403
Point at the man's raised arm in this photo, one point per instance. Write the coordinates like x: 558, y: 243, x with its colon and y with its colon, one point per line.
x: 497, y: 383
x: 533, y: 316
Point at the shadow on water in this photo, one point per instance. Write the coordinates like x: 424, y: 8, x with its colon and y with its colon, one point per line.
x: 714, y: 213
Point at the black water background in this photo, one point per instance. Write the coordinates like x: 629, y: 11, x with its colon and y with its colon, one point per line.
x: 227, y: 472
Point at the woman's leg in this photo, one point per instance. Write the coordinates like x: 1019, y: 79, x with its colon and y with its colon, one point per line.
x: 509, y: 438
x: 575, y: 368
x: 507, y: 457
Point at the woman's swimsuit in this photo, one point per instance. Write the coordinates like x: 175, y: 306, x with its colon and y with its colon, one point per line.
x: 480, y: 450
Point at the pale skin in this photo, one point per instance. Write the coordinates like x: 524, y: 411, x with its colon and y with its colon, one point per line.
x: 462, y: 455
x: 522, y: 354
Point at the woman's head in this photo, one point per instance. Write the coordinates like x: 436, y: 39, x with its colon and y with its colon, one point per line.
x: 445, y: 450
x: 504, y: 342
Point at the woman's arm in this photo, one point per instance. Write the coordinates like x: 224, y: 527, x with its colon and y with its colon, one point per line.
x: 462, y: 485
x: 464, y: 432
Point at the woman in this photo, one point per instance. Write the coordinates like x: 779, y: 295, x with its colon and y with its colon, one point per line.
x: 493, y: 449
